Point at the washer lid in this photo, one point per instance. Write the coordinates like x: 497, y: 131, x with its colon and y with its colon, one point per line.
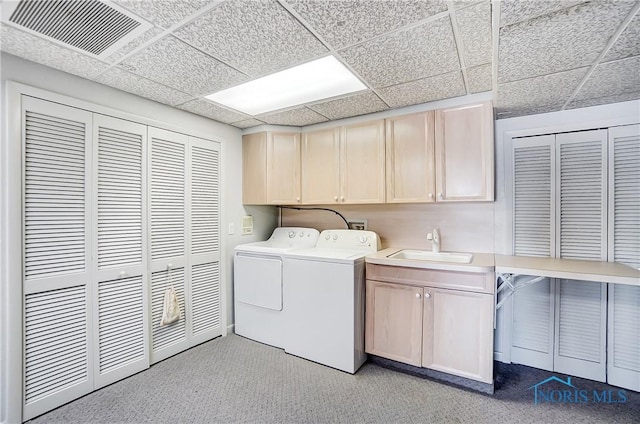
x: 283, y: 239
x: 328, y: 255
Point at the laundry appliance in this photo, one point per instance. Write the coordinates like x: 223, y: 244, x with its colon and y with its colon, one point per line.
x: 258, y: 284
x: 324, y: 290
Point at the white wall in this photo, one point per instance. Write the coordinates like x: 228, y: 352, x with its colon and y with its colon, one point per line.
x: 25, y: 72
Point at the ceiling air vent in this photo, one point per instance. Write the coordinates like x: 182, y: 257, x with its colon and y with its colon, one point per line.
x: 90, y: 26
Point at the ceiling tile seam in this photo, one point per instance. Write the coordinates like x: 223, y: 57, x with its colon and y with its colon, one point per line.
x: 332, y: 51
x: 235, y: 68
x: 412, y: 25
x: 155, y: 82
x: 610, y: 43
x: 495, y: 47
x: 470, y: 4
x: 221, y: 106
x: 457, y: 38
x: 529, y: 18
x: 422, y: 78
x: 164, y: 33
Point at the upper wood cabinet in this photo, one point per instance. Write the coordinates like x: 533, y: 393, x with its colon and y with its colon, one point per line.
x: 344, y: 165
x: 410, y: 158
x: 464, y: 153
x: 440, y: 156
x: 271, y: 168
x: 254, y: 169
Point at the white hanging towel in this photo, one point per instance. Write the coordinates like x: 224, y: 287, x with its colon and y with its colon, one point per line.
x: 171, y: 307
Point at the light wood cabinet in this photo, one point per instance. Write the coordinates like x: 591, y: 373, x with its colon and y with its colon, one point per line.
x: 457, y: 333
x: 410, y: 158
x: 283, y: 168
x: 431, y: 323
x: 394, y: 331
x: 271, y: 168
x: 254, y: 169
x: 440, y: 156
x: 344, y: 165
x: 464, y: 153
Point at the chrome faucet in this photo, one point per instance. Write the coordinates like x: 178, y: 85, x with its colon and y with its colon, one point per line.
x: 434, y: 237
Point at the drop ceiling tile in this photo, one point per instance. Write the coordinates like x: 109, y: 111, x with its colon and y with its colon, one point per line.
x: 39, y: 50
x: 358, y: 104
x: 461, y: 4
x: 424, y: 90
x: 513, y: 11
x: 533, y: 110
x: 479, y: 78
x: 213, y: 111
x: 549, y: 91
x: 178, y: 65
x: 296, y: 117
x: 628, y: 44
x: 633, y: 95
x: 343, y: 23
x: 163, y: 13
x: 474, y: 27
x: 148, y: 35
x: 568, y: 39
x: 247, y: 123
x: 406, y: 55
x: 256, y: 37
x: 131, y: 83
x: 612, y: 78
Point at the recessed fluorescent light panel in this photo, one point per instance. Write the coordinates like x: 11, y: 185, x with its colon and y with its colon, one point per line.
x: 320, y: 79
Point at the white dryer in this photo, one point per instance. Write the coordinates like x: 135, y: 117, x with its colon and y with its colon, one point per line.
x: 324, y: 293
x: 258, y: 283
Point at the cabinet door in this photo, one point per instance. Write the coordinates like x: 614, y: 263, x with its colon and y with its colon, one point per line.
x: 283, y: 168
x: 393, y: 321
x: 254, y: 169
x: 321, y: 167
x: 464, y: 153
x: 410, y: 158
x: 119, y: 222
x: 57, y: 349
x: 458, y: 333
x: 362, y: 163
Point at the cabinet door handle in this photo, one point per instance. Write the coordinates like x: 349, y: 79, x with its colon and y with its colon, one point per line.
x: 439, y: 195
x: 427, y: 295
x: 335, y: 198
x: 297, y: 199
x: 430, y: 195
x: 418, y: 296
x: 342, y: 198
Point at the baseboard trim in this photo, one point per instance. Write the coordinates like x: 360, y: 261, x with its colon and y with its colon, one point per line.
x: 477, y: 386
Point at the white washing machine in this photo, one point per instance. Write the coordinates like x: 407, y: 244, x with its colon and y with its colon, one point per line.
x: 258, y: 283
x: 324, y: 292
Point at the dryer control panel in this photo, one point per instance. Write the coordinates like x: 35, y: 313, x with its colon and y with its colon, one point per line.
x: 363, y: 240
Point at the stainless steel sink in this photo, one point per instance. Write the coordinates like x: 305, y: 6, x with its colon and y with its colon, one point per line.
x: 426, y: 255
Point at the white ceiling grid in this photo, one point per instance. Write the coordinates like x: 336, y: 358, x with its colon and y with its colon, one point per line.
x: 551, y: 54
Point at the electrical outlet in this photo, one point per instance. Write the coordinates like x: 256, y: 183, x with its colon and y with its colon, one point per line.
x: 232, y: 228
x: 357, y: 224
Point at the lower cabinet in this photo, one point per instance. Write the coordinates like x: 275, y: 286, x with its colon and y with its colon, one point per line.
x: 444, y: 329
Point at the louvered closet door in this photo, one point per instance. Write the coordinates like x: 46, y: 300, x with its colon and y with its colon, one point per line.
x: 205, y: 312
x: 56, y: 243
x: 168, y: 237
x: 120, y: 298
x: 533, y: 234
x: 581, y: 195
x: 623, y: 363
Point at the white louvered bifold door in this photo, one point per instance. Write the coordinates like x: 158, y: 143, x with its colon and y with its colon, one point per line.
x: 56, y: 207
x: 533, y: 235
x: 120, y: 299
x: 623, y: 362
x: 205, y: 313
x: 168, y: 237
x: 581, y: 195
